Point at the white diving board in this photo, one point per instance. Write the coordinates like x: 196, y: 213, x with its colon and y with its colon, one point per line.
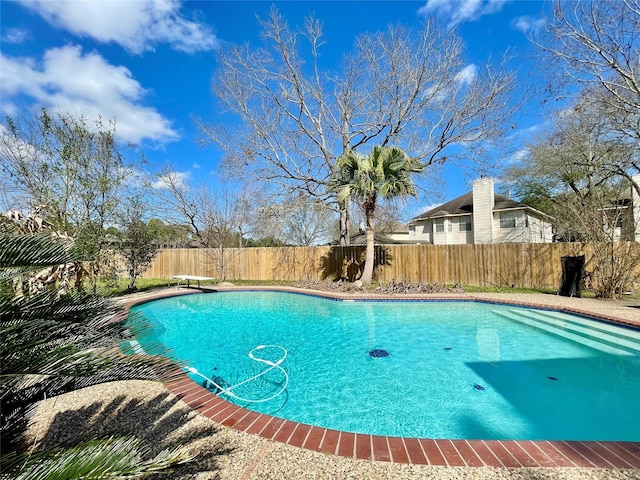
x: 188, y: 279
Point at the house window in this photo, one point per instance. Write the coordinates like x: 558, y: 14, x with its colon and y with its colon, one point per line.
x: 508, y: 220
x: 439, y: 225
x: 464, y: 224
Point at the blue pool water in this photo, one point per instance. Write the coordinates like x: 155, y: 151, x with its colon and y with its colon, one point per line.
x: 414, y: 369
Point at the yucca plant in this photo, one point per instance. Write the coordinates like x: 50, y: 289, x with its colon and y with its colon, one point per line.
x: 53, y: 341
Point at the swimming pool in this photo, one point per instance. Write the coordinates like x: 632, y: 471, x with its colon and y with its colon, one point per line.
x: 453, y: 369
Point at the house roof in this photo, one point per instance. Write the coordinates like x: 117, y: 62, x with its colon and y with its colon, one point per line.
x: 464, y: 205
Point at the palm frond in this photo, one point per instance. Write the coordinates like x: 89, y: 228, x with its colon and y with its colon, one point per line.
x: 54, y: 341
x: 35, y: 251
x: 387, y: 172
x: 113, y: 458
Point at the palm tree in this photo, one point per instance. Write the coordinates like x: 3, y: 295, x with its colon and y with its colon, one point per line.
x: 54, y: 341
x: 385, y: 172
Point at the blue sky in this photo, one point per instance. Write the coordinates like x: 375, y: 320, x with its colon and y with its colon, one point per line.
x: 149, y: 63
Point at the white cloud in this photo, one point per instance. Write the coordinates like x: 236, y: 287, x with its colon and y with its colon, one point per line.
x: 14, y: 146
x: 135, y: 25
x: 528, y: 133
x: 15, y: 35
x: 462, y: 10
x: 527, y: 24
x: 517, y: 157
x: 426, y: 208
x: 467, y: 75
x: 177, y: 179
x: 520, y: 154
x: 68, y: 81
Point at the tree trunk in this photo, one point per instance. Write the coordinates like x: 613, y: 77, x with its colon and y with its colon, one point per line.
x: 345, y: 241
x: 222, y: 265
x: 367, y: 272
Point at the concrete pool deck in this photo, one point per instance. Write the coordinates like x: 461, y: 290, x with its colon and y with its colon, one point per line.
x: 269, y: 447
x: 620, y: 311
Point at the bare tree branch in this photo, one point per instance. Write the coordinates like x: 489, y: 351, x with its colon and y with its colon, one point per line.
x: 597, y: 46
x: 291, y: 118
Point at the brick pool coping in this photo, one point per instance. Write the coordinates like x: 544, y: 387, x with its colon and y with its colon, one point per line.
x: 437, y: 452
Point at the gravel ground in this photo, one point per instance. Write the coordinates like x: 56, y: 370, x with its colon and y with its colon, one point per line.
x: 148, y: 410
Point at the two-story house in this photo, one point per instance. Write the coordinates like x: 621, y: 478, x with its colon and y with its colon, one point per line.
x: 480, y: 216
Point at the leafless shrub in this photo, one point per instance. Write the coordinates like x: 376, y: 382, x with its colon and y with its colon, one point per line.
x: 392, y: 287
x: 339, y: 286
x: 405, y: 286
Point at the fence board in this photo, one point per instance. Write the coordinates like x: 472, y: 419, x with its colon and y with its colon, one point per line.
x: 527, y: 265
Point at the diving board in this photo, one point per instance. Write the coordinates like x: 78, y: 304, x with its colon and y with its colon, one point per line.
x: 188, y: 279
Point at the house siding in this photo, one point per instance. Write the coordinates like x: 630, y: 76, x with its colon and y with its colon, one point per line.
x: 537, y: 231
x: 452, y: 235
x: 540, y: 231
x: 511, y: 235
x: 422, y: 232
x: 528, y: 229
x: 526, y: 225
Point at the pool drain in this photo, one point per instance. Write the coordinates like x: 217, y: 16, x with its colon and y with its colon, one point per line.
x: 378, y: 353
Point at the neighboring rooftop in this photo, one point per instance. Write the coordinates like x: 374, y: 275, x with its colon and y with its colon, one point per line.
x: 464, y: 205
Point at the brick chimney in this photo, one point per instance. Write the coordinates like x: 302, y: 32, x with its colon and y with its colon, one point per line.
x: 483, y: 203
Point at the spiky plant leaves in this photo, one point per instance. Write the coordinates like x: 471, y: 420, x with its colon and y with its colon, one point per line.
x: 34, y: 251
x: 113, y: 458
x: 54, y: 341
x: 23, y: 254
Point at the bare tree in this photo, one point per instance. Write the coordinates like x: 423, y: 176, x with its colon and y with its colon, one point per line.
x: 397, y: 87
x: 217, y: 221
x: 309, y: 223
x: 597, y: 46
x: 175, y: 201
x: 572, y: 173
x: 221, y: 227
x: 297, y: 221
x: 580, y: 144
x: 65, y: 164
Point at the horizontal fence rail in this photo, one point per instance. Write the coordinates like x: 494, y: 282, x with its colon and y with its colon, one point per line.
x: 523, y: 265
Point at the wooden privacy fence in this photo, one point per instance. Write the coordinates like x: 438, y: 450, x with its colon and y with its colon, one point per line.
x: 527, y: 265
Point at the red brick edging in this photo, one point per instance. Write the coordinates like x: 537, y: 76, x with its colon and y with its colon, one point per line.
x: 454, y: 453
